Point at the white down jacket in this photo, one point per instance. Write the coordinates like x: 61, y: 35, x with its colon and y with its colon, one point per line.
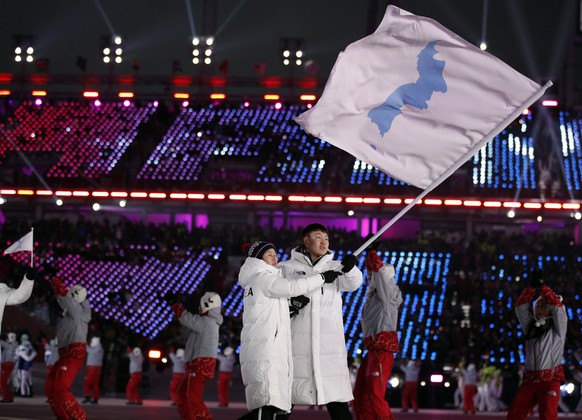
x: 320, y: 364
x: 265, y: 356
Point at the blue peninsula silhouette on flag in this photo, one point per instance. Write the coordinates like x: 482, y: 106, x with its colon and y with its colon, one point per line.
x: 417, y: 94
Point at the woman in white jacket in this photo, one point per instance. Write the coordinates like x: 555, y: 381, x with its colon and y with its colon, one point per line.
x: 266, y: 362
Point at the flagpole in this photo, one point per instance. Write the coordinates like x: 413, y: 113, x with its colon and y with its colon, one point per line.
x: 32, y: 248
x: 528, y: 102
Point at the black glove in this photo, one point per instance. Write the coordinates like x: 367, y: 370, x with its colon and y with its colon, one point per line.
x: 293, y: 311
x: 374, y: 246
x: 330, y: 275
x: 536, y: 278
x: 299, y: 302
x: 349, y: 262
x: 31, y: 273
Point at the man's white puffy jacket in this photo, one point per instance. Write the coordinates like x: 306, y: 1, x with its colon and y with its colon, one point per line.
x: 320, y: 365
x: 265, y: 356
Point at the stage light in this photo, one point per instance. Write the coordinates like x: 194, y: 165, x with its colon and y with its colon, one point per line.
x: 511, y: 214
x: 198, y: 42
x: 394, y: 382
x: 2, y: 200
x: 350, y: 213
x: 291, y: 50
x: 96, y: 207
x: 59, y: 202
x: 483, y: 46
x: 578, y: 215
x: 23, y: 48
x: 154, y: 354
x: 108, y: 43
x: 539, y: 218
x: 436, y: 378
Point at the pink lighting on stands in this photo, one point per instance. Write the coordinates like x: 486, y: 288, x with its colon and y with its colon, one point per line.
x: 333, y: 199
x: 100, y: 194
x: 216, y: 196
x: 512, y: 204
x: 278, y: 105
x: 178, y: 196
x: 247, y: 104
x: 237, y: 197
x: 81, y: 194
x: 550, y: 103
x: 185, y: 104
x: 157, y: 195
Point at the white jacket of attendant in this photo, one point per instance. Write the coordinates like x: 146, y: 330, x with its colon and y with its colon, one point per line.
x: 10, y: 296
x: 320, y: 365
x: 265, y: 356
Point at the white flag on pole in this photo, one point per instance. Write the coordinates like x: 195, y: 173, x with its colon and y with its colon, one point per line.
x: 413, y: 99
x: 23, y: 244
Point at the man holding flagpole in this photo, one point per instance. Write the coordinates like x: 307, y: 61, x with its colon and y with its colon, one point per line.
x: 10, y: 296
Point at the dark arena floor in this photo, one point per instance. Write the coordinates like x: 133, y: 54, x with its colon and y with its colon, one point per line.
x: 115, y: 409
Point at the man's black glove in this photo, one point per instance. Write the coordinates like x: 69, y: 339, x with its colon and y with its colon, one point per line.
x: 297, y: 303
x: 536, y: 278
x: 349, y: 262
x: 31, y: 273
x: 330, y: 275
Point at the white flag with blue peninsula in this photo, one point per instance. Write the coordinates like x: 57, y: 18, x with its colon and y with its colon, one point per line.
x: 25, y: 243
x: 415, y: 100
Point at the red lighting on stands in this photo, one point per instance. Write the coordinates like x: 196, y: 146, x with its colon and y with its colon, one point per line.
x: 181, y: 95
x: 158, y: 195
x: 271, y: 97
x: 550, y: 103
x: 553, y: 206
x: 532, y: 205
x: 471, y: 203
x: 237, y: 197
x: 332, y: 199
x: 217, y: 96
x: 455, y: 203
x: 433, y: 202
x: 492, y: 204
x: 5, y: 92
x: 154, y: 354
x: 81, y: 194
x: 512, y: 204
x: 100, y: 194
x: 90, y: 94
x: 39, y: 93
x: 125, y: 94
x: 256, y: 198
x: 307, y: 97
x: 119, y: 194
x: 138, y: 195
x: 216, y: 196
x: 178, y: 196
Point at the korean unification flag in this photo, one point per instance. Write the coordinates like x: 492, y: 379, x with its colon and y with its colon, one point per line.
x: 413, y: 99
x: 23, y: 244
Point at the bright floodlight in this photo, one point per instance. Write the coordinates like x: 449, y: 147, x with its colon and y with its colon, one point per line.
x: 122, y: 203
x: 29, y: 58
x: 2, y: 200
x: 117, y: 40
x: 195, y: 41
x: 59, y: 202
x: 511, y: 214
x: 286, y: 62
x: 394, y: 382
x: 578, y: 215
x: 298, y: 62
x: 96, y: 207
x: 286, y: 53
x: 209, y: 41
x: 18, y: 59
x: 118, y: 59
x: 483, y: 46
x: 299, y: 54
x: 196, y: 52
x: 17, y: 50
x: 207, y: 60
x: 29, y: 50
x: 106, y: 59
x: 196, y: 60
x: 539, y: 218
x: 208, y: 52
x: 106, y: 51
x: 118, y: 51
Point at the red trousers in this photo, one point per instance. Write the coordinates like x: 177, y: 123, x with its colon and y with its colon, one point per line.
x: 223, y: 383
x: 132, y: 388
x: 91, y: 382
x: 5, y: 371
x: 370, y: 390
x: 468, y: 395
x: 176, y: 379
x: 409, y: 395
x: 545, y: 394
x: 60, y: 379
x: 189, y: 392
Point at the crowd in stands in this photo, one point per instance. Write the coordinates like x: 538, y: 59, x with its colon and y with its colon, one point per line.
x: 221, y: 147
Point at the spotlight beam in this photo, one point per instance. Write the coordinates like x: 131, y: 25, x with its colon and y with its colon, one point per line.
x: 229, y: 18
x: 104, y: 16
x: 190, y: 18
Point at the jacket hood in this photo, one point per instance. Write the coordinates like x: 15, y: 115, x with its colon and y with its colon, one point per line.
x: 215, y: 313
x: 251, y: 267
